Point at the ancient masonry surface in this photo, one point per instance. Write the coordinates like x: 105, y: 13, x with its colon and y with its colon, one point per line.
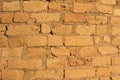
x: 59, y: 39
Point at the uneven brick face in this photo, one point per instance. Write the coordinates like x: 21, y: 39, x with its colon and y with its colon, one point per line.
x: 116, y: 30
x: 74, y: 41
x: 115, y: 77
x: 112, y: 2
x: 116, y: 40
x: 116, y: 69
x: 38, y: 6
x: 2, y: 29
x: 102, y: 29
x: 116, y: 60
x: 45, y: 28
x: 115, y: 20
x: 3, y: 41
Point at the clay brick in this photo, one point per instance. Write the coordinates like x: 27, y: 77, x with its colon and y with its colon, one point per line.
x: 112, y: 2
x: 116, y: 60
x: 11, y: 6
x: 83, y: 29
x: 35, y: 52
x: 104, y: 50
x: 88, y: 51
x: 115, y: 77
x: 104, y: 71
x: 54, y: 40
x: 21, y: 17
x: 3, y: 41
x: 56, y: 63
x: 104, y: 8
x: 106, y: 39
x: 70, y: 17
x: 59, y: 6
x: 81, y: 8
x: 102, y: 29
x: 6, y: 17
x: 62, y: 29
x: 116, y: 40
x: 115, y: 21
x: 12, y: 75
x: 36, y: 40
x: 45, y: 28
x: 74, y: 50
x: 35, y: 6
x: 61, y: 51
x: 2, y: 29
x: 117, y: 12
x: 78, y: 41
x: 116, y: 30
x: 44, y: 74
x: 81, y: 73
x: 115, y: 69
x: 2, y: 64
x: 46, y: 17
x: 22, y: 29
x: 105, y: 78
x: 24, y: 64
x: 101, y: 61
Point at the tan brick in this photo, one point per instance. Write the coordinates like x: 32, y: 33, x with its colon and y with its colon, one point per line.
x: 104, y: 50
x: 3, y: 41
x: 56, y: 63
x: 115, y: 21
x: 16, y: 42
x: 12, y: 52
x: 116, y: 30
x: 116, y: 40
x: 80, y: 7
x: 54, y: 40
x: 36, y: 40
x: 21, y: 17
x: 81, y: 73
x: 78, y: 41
x: 35, y: 52
x: 104, y: 78
x: 25, y: 64
x: 45, y: 28
x: 117, y: 12
x: 2, y: 29
x: 2, y: 64
x: 74, y: 50
x: 61, y: 51
x: 103, y: 71
x: 104, y: 8
x: 115, y: 77
x: 102, y: 29
x: 70, y: 17
x: 11, y: 6
x: 12, y: 75
x: 62, y: 29
x: 22, y: 29
x: 59, y: 6
x: 116, y: 60
x: 101, y: 61
x: 106, y: 39
x: 35, y: 6
x: 83, y: 29
x: 46, y: 17
x: 44, y: 74
x: 88, y: 51
x: 6, y: 17
x: 115, y: 69
x: 112, y: 2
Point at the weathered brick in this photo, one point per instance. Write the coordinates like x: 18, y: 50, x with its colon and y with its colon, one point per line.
x: 11, y: 6
x: 116, y: 40
x: 104, y: 50
x: 54, y: 40
x: 62, y: 29
x: 12, y: 75
x: 83, y: 29
x: 12, y: 52
x: 88, y: 51
x: 46, y: 17
x: 101, y: 61
x: 2, y: 29
x: 104, y: 8
x: 116, y: 69
x: 81, y: 73
x: 21, y: 17
x: 115, y: 21
x: 116, y: 60
x: 105, y: 78
x: 44, y: 74
x: 70, y: 17
x: 116, y: 30
x: 62, y: 51
x: 22, y: 29
x: 115, y: 77
x: 103, y: 71
x: 106, y: 39
x: 78, y: 41
x: 3, y: 64
x: 36, y: 40
x: 35, y: 52
x: 59, y: 6
x: 35, y: 6
x: 25, y: 64
x: 80, y: 7
x: 45, y: 28
x: 6, y: 17
x: 112, y: 2
x: 102, y: 29
x: 117, y: 12
x: 3, y: 41
x: 56, y: 63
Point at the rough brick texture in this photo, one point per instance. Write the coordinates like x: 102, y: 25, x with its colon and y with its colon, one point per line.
x: 59, y: 39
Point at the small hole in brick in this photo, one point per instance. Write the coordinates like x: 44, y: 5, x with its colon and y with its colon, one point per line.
x: 51, y: 33
x: 48, y: 0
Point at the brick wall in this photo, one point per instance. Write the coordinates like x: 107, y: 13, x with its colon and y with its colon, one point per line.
x: 59, y: 39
